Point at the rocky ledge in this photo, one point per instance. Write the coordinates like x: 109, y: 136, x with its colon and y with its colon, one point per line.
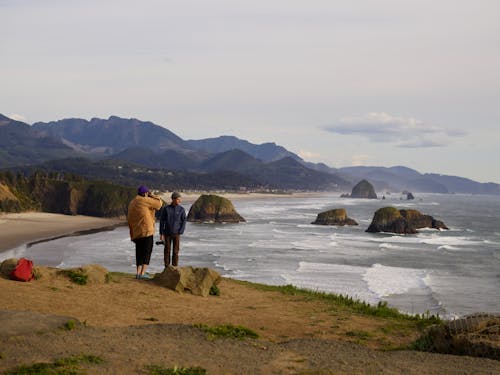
x: 337, y: 216
x: 392, y: 220
x: 213, y: 208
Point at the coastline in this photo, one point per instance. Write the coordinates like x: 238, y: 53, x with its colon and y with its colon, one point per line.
x: 17, y: 229
x: 31, y: 227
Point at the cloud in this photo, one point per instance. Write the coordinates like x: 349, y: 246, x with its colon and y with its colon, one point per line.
x: 403, y: 132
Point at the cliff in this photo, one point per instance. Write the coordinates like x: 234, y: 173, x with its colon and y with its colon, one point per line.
x: 64, y: 194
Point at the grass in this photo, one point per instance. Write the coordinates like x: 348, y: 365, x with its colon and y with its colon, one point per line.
x: 381, y: 310
x: 214, y: 290
x: 227, y: 330
x: 78, y: 277
x: 63, y: 366
x: 160, y: 370
x: 69, y: 325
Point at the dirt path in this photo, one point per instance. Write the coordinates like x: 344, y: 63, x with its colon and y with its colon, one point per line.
x: 132, y: 324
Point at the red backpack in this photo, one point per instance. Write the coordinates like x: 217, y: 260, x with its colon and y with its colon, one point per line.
x: 23, y: 270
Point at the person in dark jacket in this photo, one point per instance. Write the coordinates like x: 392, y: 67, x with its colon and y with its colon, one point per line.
x: 172, y: 224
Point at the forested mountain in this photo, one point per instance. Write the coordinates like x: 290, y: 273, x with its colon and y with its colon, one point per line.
x: 21, y: 144
x: 265, y: 151
x: 220, y: 162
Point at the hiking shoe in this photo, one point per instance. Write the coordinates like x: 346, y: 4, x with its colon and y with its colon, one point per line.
x: 145, y: 277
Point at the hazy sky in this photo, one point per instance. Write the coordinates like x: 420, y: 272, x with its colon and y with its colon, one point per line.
x: 388, y: 82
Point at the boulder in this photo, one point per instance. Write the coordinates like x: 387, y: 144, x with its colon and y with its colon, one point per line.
x: 215, y: 209
x: 476, y: 335
x: 197, y: 281
x: 392, y: 220
x: 363, y: 189
x: 337, y: 216
x: 7, y: 266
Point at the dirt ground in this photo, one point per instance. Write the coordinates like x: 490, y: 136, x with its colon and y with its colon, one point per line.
x: 132, y: 324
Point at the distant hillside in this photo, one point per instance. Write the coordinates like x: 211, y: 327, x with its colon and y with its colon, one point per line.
x: 20, y: 144
x: 112, y: 135
x: 265, y: 151
x: 217, y: 163
x: 128, y: 174
x: 402, y: 178
x: 166, y: 159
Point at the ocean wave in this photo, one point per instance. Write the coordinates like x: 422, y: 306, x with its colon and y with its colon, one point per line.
x: 395, y: 239
x: 389, y: 246
x: 452, y: 241
x: 448, y: 247
x: 385, y: 280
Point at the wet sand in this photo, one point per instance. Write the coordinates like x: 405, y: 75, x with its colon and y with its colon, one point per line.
x: 17, y: 229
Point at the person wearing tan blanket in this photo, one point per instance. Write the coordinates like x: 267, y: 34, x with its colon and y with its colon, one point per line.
x: 141, y: 221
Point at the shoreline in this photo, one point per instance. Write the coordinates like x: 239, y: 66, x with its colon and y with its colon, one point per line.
x: 32, y: 227
x: 28, y: 228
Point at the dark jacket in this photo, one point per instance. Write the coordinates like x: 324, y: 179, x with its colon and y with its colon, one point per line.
x: 172, y: 220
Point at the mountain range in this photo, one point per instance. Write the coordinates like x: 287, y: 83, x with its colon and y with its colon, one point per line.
x: 131, y: 150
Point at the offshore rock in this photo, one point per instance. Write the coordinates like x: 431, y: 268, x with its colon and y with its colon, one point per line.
x: 363, y: 189
x: 197, y: 281
x: 215, y: 209
x: 337, y: 216
x: 392, y: 220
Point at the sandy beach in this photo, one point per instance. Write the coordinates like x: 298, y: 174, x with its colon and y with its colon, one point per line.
x: 21, y: 228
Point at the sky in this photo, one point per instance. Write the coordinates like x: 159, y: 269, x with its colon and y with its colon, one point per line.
x: 373, y: 82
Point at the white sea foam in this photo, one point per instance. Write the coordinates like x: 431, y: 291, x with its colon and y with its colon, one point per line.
x: 385, y: 281
x: 448, y: 247
x: 396, y: 239
x: 452, y: 241
x: 389, y: 246
x: 336, y: 278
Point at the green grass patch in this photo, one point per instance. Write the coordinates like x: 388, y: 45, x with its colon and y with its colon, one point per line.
x: 214, y: 290
x: 227, y: 330
x: 380, y: 310
x: 361, y: 335
x: 160, y: 370
x: 69, y: 325
x: 63, y: 366
x: 78, y: 277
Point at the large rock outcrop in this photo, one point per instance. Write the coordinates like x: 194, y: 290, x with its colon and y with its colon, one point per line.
x: 363, y: 189
x: 337, y: 216
x: 213, y: 208
x: 197, y: 281
x: 392, y: 220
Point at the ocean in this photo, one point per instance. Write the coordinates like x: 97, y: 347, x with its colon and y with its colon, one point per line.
x: 451, y: 273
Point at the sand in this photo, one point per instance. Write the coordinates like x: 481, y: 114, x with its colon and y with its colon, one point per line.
x: 17, y: 229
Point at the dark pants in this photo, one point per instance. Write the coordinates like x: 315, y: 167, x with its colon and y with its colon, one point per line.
x: 172, y: 240
x: 143, y: 250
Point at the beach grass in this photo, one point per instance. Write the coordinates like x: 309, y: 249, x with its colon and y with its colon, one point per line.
x: 63, y: 366
x: 381, y: 310
x: 227, y: 331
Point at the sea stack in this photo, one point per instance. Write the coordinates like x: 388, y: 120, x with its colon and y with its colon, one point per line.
x: 392, y: 220
x: 363, y: 189
x: 337, y: 216
x: 210, y: 208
